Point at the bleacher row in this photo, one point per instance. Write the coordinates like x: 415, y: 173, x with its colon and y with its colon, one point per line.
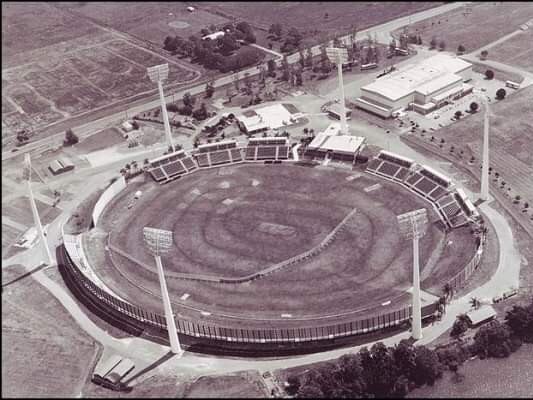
x: 453, y: 206
x: 171, y: 166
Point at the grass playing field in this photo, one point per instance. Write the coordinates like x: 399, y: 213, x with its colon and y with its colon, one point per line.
x: 487, y: 22
x: 234, y: 221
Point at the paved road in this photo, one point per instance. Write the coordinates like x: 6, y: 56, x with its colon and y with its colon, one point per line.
x: 85, y: 129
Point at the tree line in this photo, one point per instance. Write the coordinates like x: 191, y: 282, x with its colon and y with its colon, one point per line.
x: 218, y: 53
x: 394, y: 371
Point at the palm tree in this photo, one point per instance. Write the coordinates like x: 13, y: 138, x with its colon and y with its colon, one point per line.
x: 448, y: 291
x: 475, y: 303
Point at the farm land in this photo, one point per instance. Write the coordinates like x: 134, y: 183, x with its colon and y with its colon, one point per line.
x: 486, y: 23
x: 516, y: 50
x: 80, y: 68
x: 310, y: 18
x: 44, y: 351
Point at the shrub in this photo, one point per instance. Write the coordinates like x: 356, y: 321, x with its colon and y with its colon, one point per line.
x: 70, y: 138
x: 460, y: 326
x: 489, y: 74
x: 500, y: 94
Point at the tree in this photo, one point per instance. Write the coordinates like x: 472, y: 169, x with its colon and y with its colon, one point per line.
x: 500, y: 94
x: 209, y: 89
x: 201, y: 113
x: 276, y: 30
x: 475, y: 303
x: 188, y: 100
x: 404, y: 354
x: 461, y: 49
x: 460, y: 326
x: 492, y: 341
x: 489, y: 74
x: 298, y: 75
x: 70, y: 138
x: 428, y: 368
x: 308, y: 61
x: 474, y: 107
x: 419, y: 40
x: 248, y: 83
x: 301, y: 60
x: 246, y: 29
x: 433, y: 43
x: 484, y: 54
x: 379, y: 370
x: 442, y: 45
x: 285, y: 69
x: 23, y: 136
x: 520, y: 321
x: 458, y: 114
x: 271, y: 67
x: 227, y: 44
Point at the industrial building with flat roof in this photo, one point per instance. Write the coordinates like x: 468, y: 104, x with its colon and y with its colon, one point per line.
x: 423, y: 87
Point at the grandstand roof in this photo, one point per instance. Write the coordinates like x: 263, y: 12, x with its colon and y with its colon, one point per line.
x: 426, y: 77
x: 165, y: 156
x: 338, y: 144
x: 437, y: 174
x: 215, y: 144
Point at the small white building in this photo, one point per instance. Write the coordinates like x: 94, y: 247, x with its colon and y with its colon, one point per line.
x: 481, y: 315
x: 190, y: 9
x: 127, y: 126
x: 214, y: 35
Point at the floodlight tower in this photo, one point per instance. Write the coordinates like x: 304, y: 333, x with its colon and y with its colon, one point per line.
x: 36, y: 219
x: 340, y: 56
x: 159, y: 73
x: 485, y: 166
x: 413, y: 225
x: 159, y: 242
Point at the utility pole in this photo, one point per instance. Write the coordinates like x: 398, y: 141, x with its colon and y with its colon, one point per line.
x: 159, y: 242
x: 413, y: 225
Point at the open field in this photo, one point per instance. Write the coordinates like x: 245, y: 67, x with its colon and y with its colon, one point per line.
x: 19, y: 211
x: 9, y: 236
x: 148, y: 21
x: 515, y: 51
x: 44, y: 352
x: 101, y: 140
x: 309, y: 18
x: 216, y: 236
x: 511, y: 125
x: 238, y: 385
x: 497, y: 378
x: 33, y: 25
x: 486, y: 23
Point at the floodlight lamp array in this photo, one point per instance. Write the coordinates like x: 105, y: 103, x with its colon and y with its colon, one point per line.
x: 158, y: 241
x: 413, y: 224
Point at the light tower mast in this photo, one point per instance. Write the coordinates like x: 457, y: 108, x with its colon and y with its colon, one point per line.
x: 157, y: 74
x: 36, y: 219
x: 485, y: 167
x: 413, y: 225
x: 340, y: 56
x: 159, y: 242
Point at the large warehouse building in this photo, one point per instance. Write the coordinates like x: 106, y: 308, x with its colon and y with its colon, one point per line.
x: 422, y: 87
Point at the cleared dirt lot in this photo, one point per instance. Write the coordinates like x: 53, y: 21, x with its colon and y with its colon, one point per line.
x: 486, y: 23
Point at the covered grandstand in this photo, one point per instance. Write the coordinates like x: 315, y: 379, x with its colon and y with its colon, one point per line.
x: 338, y: 147
x: 265, y: 118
